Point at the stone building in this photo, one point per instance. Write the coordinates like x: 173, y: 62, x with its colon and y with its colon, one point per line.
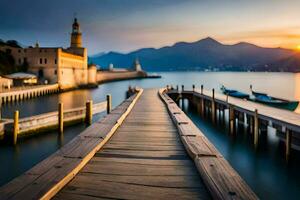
x: 66, y: 66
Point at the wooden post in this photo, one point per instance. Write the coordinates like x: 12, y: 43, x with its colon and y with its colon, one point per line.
x: 231, y: 119
x: 193, y: 88
x: 251, y: 124
x: 256, y: 128
x: 0, y: 108
x: 202, y: 107
x: 288, y: 142
x: 89, y: 112
x: 201, y: 89
x: 182, y: 88
x: 60, y: 117
x: 16, y: 127
x: 177, y: 87
x: 108, y: 99
x: 213, y: 107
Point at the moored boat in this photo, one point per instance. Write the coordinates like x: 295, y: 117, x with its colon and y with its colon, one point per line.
x: 234, y: 93
x: 274, y: 101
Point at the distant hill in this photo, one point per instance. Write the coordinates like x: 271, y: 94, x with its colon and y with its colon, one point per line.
x: 205, y: 54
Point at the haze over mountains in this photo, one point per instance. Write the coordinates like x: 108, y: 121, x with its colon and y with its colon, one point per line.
x: 206, y: 54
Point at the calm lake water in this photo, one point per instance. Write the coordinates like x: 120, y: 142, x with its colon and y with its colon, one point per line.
x: 265, y: 170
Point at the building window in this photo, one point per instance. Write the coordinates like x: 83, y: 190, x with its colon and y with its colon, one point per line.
x: 25, y: 60
x: 20, y: 61
x: 45, y: 50
x: 40, y: 50
x: 55, y: 61
x: 24, y: 50
x: 55, y: 72
x: 19, y: 50
x: 41, y: 61
x: 45, y: 60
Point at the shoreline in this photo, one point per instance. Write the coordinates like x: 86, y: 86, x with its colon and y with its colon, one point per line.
x: 41, y: 90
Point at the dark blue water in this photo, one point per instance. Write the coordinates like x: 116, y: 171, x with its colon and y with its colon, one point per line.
x: 265, y: 170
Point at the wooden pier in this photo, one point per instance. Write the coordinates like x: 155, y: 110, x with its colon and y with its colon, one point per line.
x: 257, y: 116
x: 146, y: 148
x: 28, y: 92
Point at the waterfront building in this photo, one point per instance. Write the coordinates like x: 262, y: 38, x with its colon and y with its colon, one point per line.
x: 66, y: 66
x: 20, y: 78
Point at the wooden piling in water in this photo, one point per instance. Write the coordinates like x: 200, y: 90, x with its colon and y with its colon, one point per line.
x: 201, y: 89
x: 231, y: 119
x: 288, y: 142
x: 213, y: 107
x: 0, y: 108
x: 60, y: 117
x: 16, y: 127
x: 182, y: 88
x: 193, y: 88
x: 108, y: 99
x: 256, y: 128
x: 89, y: 112
x: 202, y: 105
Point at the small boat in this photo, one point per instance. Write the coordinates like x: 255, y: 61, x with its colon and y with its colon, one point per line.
x: 273, y: 101
x: 234, y: 93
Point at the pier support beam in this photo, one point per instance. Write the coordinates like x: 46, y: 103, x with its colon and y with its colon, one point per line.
x: 108, y: 99
x: 288, y: 143
x: 182, y: 88
x: 202, y: 105
x: 0, y: 108
x: 61, y: 118
x: 16, y: 127
x: 231, y: 119
x: 213, y: 107
x: 256, y: 128
x: 89, y: 112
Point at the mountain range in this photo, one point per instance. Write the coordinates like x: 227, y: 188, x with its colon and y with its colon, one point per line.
x: 205, y: 54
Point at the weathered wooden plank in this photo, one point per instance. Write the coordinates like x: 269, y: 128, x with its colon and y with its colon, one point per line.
x: 139, y: 170
x: 140, y: 161
x: 115, y: 190
x: 221, y: 179
x: 172, y: 181
x: 197, y: 147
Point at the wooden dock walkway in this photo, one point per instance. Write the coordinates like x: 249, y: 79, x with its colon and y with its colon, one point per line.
x: 144, y: 159
x: 147, y: 148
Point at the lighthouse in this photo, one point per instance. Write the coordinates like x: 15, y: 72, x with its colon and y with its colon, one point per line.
x: 76, y: 36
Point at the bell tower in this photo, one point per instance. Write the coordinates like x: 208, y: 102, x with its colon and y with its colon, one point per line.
x: 76, y: 41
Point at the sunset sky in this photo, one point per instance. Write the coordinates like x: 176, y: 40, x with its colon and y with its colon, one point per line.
x: 125, y: 25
